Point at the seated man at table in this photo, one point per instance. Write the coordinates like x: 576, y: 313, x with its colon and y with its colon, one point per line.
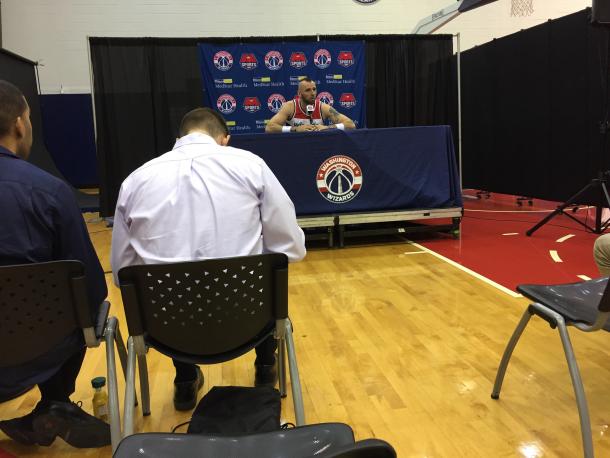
x: 306, y: 113
x: 204, y: 200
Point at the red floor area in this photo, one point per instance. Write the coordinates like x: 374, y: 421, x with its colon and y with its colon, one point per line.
x: 513, y: 259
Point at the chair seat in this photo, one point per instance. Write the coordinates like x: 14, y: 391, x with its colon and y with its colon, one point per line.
x: 304, y: 441
x: 577, y: 302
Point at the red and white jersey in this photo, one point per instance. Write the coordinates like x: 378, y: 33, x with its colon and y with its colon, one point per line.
x: 300, y: 118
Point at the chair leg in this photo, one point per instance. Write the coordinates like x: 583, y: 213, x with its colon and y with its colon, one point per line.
x: 120, y: 343
x: 130, y: 389
x: 113, y: 392
x: 525, y: 318
x: 144, y: 388
x: 295, y: 381
x: 579, y: 391
x: 282, y: 366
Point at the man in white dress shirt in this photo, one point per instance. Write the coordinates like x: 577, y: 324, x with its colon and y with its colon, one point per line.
x: 204, y: 199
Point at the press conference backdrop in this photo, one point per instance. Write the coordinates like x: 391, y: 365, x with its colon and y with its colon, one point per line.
x: 248, y: 83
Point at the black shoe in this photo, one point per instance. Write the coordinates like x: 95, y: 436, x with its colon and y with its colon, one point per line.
x: 265, y: 374
x: 185, y: 393
x: 22, y: 430
x: 68, y: 421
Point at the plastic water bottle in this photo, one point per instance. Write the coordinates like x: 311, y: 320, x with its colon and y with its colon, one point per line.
x: 100, y: 398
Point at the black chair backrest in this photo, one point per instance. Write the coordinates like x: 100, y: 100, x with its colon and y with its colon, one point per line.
x: 206, y: 308
x: 40, y: 305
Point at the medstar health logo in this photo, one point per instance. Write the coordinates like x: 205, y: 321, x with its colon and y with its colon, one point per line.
x: 274, y: 60
x: 322, y: 58
x: 339, y: 179
x: 223, y: 60
x: 226, y: 104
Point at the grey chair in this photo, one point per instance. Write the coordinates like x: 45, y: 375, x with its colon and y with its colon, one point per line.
x: 43, y: 303
x: 584, y: 306
x: 206, y: 312
x: 324, y: 440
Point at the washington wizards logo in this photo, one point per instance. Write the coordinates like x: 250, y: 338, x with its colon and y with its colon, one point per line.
x: 326, y: 97
x: 252, y: 104
x: 322, y: 58
x: 275, y: 102
x: 298, y: 59
x: 274, y: 60
x: 339, y: 179
x: 347, y: 100
x: 226, y: 104
x: 223, y: 60
x: 248, y: 61
x: 345, y: 59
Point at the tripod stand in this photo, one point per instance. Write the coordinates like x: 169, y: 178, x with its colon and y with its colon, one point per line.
x: 598, y: 184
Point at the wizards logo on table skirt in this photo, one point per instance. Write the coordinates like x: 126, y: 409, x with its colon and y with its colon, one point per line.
x: 275, y: 102
x: 298, y: 59
x: 226, y: 104
x: 322, y: 58
x: 274, y: 60
x: 223, y: 60
x: 345, y: 59
x: 347, y: 100
x: 252, y: 104
x: 339, y: 179
x: 326, y: 97
x: 248, y: 61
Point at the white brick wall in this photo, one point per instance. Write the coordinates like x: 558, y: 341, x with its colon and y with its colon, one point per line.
x: 53, y: 32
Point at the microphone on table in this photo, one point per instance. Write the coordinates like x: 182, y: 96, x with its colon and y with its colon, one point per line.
x: 310, y: 109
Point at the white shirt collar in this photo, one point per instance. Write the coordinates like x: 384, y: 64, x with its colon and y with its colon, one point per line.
x: 194, y: 138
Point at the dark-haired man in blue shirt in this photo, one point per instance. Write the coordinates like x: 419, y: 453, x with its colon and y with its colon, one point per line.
x: 41, y: 222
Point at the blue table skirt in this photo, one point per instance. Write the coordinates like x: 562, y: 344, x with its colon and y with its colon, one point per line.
x: 334, y: 172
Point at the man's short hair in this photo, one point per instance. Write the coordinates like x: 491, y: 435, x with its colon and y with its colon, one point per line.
x: 306, y: 79
x: 204, y: 119
x: 12, y: 105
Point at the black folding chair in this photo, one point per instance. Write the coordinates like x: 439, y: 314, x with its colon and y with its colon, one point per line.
x: 324, y: 440
x: 41, y: 304
x: 206, y: 312
x: 586, y: 307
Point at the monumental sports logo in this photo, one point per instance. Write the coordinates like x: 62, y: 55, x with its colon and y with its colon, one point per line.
x: 326, y: 97
x: 345, y: 59
x: 347, y: 100
x: 226, y: 104
x: 298, y: 59
x: 322, y: 58
x: 339, y: 179
x: 252, y: 104
x: 248, y: 61
x: 274, y: 60
x: 275, y: 102
x: 223, y: 61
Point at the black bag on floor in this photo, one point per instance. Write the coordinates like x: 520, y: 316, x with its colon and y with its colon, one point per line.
x: 232, y: 410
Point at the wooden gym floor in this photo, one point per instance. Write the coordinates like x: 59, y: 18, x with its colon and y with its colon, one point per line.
x: 401, y: 346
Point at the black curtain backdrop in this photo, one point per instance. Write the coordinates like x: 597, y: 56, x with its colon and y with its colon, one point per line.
x: 143, y: 87
x: 531, y: 106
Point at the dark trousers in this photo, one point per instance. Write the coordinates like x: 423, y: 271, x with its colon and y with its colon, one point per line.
x: 265, y: 354
x: 61, y: 385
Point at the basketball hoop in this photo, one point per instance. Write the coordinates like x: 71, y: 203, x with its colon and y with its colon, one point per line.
x: 521, y: 7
